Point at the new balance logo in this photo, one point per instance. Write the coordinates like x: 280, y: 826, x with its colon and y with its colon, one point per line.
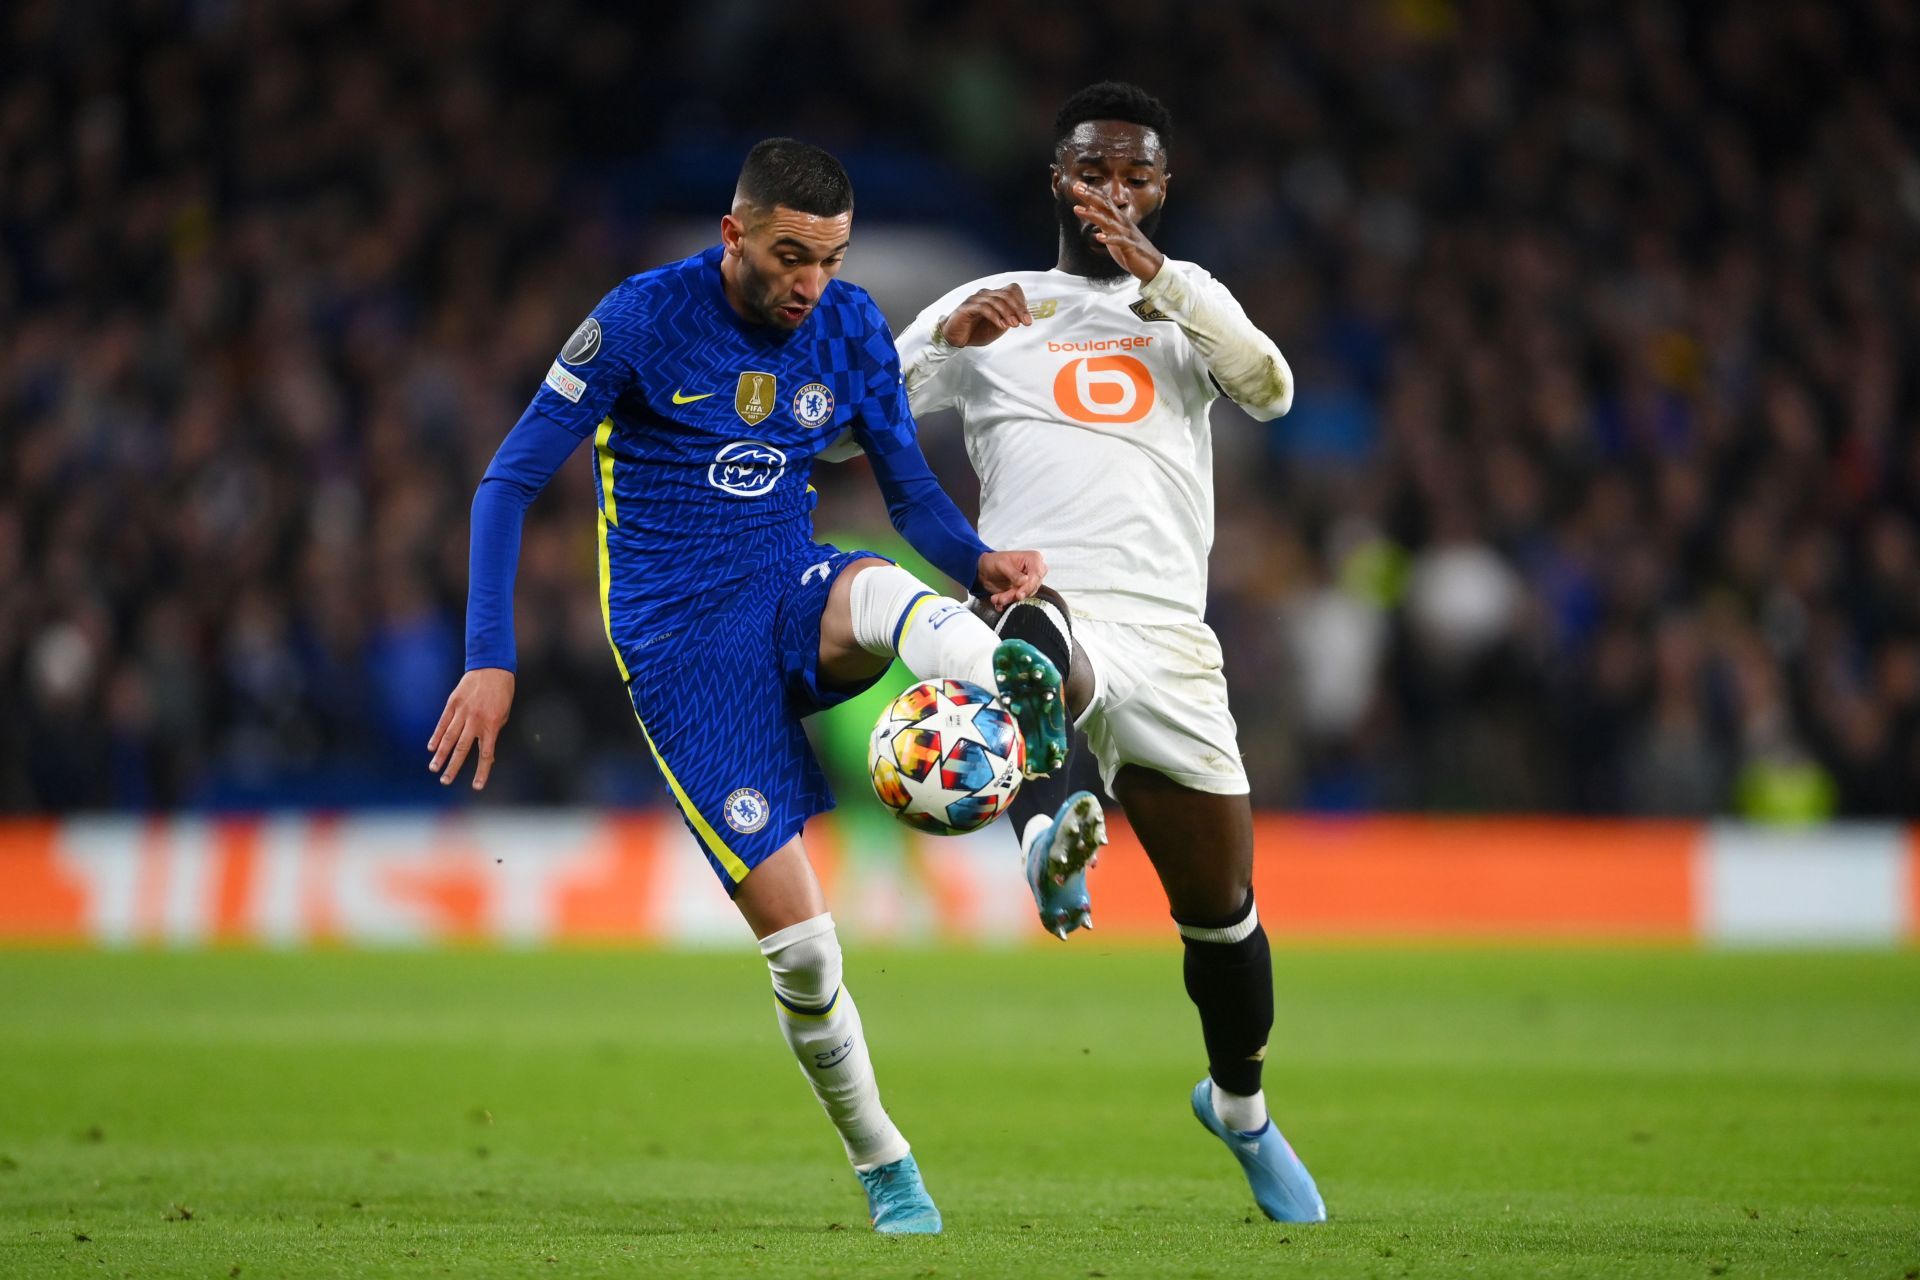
x: 819, y: 571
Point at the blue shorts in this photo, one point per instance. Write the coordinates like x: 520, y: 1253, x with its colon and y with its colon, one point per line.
x: 722, y: 703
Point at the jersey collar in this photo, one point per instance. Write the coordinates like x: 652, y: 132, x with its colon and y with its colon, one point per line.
x: 1113, y: 284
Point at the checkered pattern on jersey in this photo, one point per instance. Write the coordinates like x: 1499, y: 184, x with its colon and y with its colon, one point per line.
x: 700, y: 494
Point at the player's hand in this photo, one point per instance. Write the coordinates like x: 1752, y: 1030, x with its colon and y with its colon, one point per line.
x: 985, y: 316
x: 1008, y: 576
x: 476, y: 710
x: 1114, y: 229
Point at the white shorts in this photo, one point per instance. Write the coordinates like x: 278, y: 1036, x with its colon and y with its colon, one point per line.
x: 1160, y: 701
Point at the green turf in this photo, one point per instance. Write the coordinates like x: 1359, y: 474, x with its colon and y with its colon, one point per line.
x: 1488, y: 1113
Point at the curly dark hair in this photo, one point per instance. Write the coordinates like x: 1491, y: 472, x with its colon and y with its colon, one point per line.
x: 1114, y: 100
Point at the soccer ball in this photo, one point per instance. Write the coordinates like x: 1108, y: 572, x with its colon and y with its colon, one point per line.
x: 946, y: 757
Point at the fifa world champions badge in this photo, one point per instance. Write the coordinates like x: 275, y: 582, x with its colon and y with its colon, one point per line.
x: 753, y: 397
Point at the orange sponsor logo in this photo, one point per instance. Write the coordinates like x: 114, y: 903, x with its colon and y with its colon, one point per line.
x: 1104, y: 389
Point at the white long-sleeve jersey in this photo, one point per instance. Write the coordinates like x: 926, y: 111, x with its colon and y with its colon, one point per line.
x: 1089, y: 427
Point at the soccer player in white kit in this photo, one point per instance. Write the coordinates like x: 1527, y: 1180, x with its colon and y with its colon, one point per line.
x: 1085, y: 392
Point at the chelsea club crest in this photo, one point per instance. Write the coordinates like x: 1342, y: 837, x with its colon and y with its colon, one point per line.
x: 813, y: 405
x: 747, y: 810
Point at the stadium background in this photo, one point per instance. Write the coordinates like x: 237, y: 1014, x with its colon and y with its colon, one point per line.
x: 1597, y: 500
x: 1599, y: 495
x: 1572, y: 620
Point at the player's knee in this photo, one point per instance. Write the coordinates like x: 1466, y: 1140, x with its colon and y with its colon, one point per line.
x: 804, y: 960
x: 1044, y: 611
x: 1220, y: 925
x: 836, y: 618
x: 1045, y: 622
x: 849, y: 576
x: 878, y: 595
x: 1210, y: 902
x: 1080, y: 686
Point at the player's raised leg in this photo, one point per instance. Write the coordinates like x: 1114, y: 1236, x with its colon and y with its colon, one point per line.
x: 782, y: 902
x: 877, y: 610
x: 1201, y: 845
x: 1061, y: 831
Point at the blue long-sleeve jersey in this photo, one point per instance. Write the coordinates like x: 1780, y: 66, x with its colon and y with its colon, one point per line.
x: 705, y: 428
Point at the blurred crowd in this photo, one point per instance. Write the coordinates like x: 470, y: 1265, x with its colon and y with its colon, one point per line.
x: 1599, y: 495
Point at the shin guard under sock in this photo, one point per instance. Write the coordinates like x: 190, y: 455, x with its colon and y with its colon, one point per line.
x: 1229, y: 973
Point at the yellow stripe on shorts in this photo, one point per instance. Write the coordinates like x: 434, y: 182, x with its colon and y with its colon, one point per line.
x: 727, y: 858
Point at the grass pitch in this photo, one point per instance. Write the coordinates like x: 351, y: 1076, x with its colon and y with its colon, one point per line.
x: 1487, y: 1113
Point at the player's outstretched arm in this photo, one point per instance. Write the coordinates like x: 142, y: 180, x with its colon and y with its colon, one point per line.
x: 477, y: 709
x: 925, y: 516
x: 592, y: 370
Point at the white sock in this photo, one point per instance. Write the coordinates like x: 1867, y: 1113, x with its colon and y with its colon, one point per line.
x: 1245, y: 1113
x: 822, y: 1027
x: 895, y: 612
x: 1036, y: 827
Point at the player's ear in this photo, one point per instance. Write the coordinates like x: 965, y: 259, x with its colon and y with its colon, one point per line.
x: 1054, y: 176
x: 732, y: 232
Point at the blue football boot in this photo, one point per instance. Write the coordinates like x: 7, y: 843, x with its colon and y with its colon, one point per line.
x: 1057, y: 862
x: 897, y: 1201
x: 1030, y: 686
x: 1282, y: 1187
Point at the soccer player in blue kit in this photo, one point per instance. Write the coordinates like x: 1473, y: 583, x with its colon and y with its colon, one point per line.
x: 708, y: 387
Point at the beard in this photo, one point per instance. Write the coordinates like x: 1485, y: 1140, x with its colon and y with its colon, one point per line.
x: 758, y: 293
x: 761, y: 297
x: 1087, y: 256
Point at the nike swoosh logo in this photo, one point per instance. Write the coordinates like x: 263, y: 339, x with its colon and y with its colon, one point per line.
x: 680, y: 399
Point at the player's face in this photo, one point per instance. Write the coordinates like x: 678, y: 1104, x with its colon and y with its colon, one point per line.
x: 782, y: 261
x: 1122, y: 159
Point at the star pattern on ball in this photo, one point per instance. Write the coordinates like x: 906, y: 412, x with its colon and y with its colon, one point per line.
x: 929, y: 795
x: 945, y: 757
x: 957, y: 721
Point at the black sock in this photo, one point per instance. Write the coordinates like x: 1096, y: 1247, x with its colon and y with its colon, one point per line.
x: 1042, y: 627
x: 1044, y: 623
x: 1229, y: 971
x: 1039, y: 795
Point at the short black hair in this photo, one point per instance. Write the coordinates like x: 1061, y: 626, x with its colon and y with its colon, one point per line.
x: 799, y: 175
x: 1114, y: 100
